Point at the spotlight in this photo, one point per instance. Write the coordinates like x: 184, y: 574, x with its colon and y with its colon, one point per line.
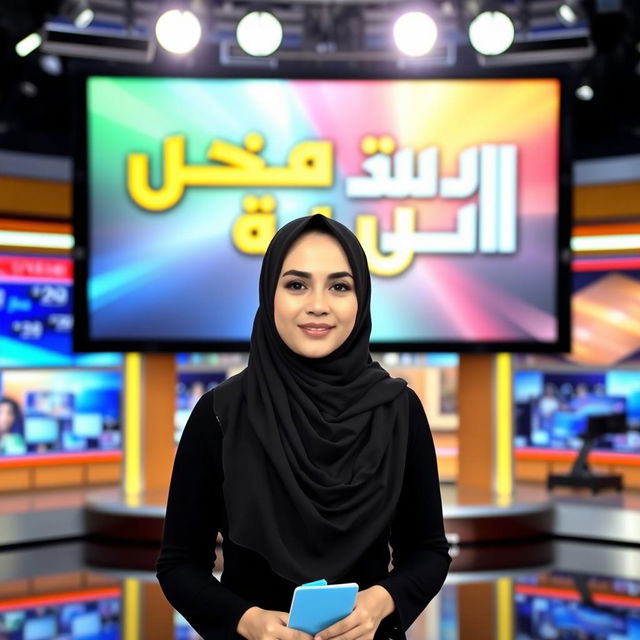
x: 28, y: 44
x: 79, y: 12
x: 259, y: 33
x: 84, y: 18
x: 584, y: 92
x: 28, y: 89
x: 491, y: 33
x: 567, y: 13
x: 178, y: 31
x: 415, y: 33
x: 51, y: 64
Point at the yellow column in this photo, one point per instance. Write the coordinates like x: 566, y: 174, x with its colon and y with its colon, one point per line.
x: 131, y: 609
x: 149, y: 408
x: 504, y: 609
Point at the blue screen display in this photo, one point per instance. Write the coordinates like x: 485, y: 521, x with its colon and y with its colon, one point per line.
x: 36, y: 314
x: 60, y: 410
x: 552, y: 408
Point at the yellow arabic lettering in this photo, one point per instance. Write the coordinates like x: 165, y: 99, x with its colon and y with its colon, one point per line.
x: 404, y: 226
x: 309, y: 164
x: 172, y: 188
x: 253, y: 230
x: 234, y: 156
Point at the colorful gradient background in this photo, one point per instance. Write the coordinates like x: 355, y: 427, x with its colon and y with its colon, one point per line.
x: 175, y: 275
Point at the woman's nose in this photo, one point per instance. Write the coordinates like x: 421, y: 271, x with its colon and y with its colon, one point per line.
x: 318, y: 303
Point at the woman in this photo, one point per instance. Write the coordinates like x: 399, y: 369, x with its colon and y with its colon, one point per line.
x: 325, y: 458
x: 11, y: 428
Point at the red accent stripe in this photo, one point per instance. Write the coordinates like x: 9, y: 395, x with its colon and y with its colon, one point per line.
x: 569, y: 455
x: 606, y: 264
x: 60, y: 598
x: 36, y: 269
x: 616, y: 600
x: 558, y: 593
x: 615, y: 229
x: 57, y: 459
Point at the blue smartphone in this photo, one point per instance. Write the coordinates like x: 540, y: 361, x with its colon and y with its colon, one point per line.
x: 316, y: 606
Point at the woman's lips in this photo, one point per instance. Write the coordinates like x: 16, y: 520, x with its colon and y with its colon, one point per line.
x: 315, y: 332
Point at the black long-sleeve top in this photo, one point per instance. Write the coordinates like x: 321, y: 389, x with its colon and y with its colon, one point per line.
x: 196, y: 513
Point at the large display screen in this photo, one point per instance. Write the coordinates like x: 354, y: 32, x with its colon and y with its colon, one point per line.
x: 452, y: 187
x: 552, y: 408
x: 605, y: 310
x: 58, y: 411
x: 36, y: 314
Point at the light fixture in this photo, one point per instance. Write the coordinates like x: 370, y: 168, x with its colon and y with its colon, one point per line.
x: 79, y: 12
x: 84, y: 18
x: 101, y: 44
x: 28, y: 89
x: 178, y: 31
x: 28, y: 44
x: 585, y: 92
x: 491, y: 33
x: 567, y: 13
x: 51, y: 64
x: 259, y: 33
x: 415, y: 33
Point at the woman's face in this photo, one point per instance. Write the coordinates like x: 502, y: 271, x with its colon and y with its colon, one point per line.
x: 315, y: 303
x: 7, y: 417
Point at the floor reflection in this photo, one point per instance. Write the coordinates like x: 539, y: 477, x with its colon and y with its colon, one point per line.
x: 73, y: 605
x: 550, y: 605
x: 93, y: 604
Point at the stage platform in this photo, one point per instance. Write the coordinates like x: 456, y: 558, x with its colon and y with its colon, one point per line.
x: 477, y: 523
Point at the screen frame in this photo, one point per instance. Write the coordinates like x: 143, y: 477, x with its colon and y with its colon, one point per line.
x: 83, y: 342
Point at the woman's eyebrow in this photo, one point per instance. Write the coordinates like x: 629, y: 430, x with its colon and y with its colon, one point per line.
x: 306, y: 274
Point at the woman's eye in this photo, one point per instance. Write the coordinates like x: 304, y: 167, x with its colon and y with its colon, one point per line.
x: 341, y: 286
x: 296, y: 285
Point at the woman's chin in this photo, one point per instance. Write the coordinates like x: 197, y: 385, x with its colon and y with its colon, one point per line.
x: 314, y: 350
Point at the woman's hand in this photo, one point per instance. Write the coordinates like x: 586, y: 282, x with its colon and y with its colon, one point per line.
x: 372, y: 605
x: 261, y: 624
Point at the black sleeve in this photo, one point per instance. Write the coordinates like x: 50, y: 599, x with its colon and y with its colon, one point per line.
x: 187, y: 556
x: 420, y: 548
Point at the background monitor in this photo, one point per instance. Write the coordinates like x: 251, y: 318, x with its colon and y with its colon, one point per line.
x: 190, y: 387
x: 40, y: 628
x: 86, y: 625
x: 452, y: 186
x: 552, y: 408
x: 41, y: 430
x: 36, y: 314
x: 62, y: 410
x: 604, y: 311
x: 87, y: 425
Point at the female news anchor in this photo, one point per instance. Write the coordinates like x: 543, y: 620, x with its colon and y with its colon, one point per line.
x: 11, y: 428
x: 310, y: 462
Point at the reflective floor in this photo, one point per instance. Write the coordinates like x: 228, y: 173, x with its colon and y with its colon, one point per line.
x: 589, y: 592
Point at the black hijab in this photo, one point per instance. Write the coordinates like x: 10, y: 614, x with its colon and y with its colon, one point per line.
x: 313, y: 448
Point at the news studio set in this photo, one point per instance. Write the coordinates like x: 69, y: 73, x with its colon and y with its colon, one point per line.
x: 486, y: 155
